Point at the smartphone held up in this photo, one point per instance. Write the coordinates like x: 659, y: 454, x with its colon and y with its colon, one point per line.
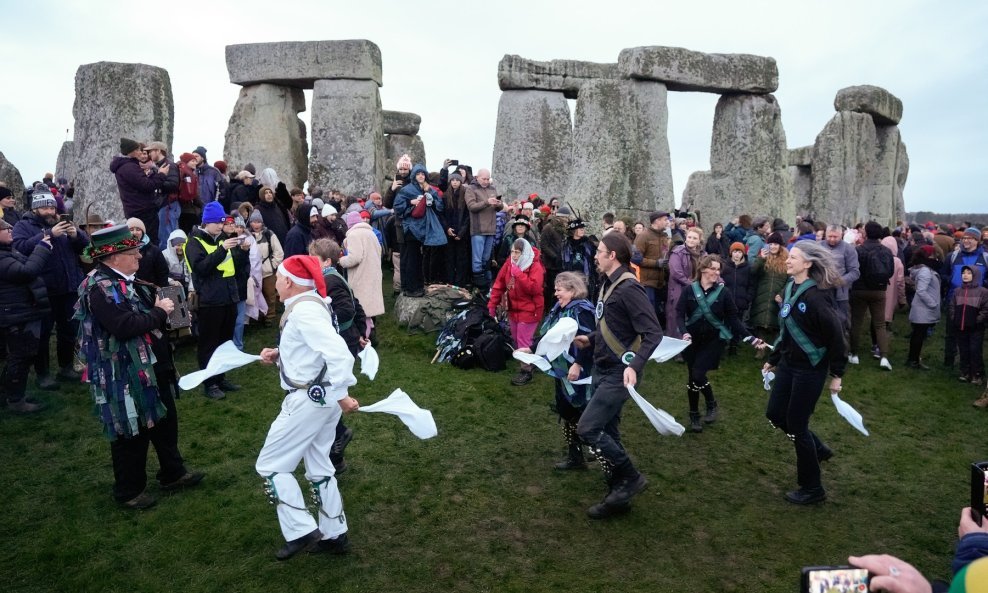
x: 834, y: 579
x: 979, y: 491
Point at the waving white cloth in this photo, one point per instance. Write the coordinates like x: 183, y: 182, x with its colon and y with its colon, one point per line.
x: 660, y: 419
x: 419, y: 421
x: 767, y: 378
x: 552, y: 345
x: 225, y: 358
x: 369, y: 361
x: 668, y: 348
x: 852, y: 416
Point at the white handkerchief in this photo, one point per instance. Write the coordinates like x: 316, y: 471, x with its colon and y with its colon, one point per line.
x: 557, y: 339
x: 529, y: 358
x: 767, y: 378
x: 660, y: 419
x: 849, y: 413
x: 225, y: 358
x: 369, y: 361
x: 419, y: 421
x: 583, y: 381
x: 668, y: 348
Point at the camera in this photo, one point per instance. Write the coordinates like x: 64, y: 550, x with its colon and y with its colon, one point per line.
x: 979, y: 491
x: 834, y: 579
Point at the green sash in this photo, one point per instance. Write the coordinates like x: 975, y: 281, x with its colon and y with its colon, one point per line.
x: 788, y: 324
x: 703, y: 310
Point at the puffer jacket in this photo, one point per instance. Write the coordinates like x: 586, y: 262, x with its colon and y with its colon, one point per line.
x: 429, y: 229
x: 738, y: 279
x: 298, y: 238
x: 62, y: 274
x: 764, y: 309
x: 23, y: 296
x: 926, y: 302
x: 137, y: 190
x: 524, y: 291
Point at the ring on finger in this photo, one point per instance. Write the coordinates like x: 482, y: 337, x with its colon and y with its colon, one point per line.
x: 894, y: 572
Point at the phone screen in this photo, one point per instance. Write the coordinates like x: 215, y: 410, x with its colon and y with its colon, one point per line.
x: 835, y: 579
x: 979, y: 491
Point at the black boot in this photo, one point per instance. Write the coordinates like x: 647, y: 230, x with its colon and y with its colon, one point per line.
x: 629, y: 484
x: 574, y: 458
x: 524, y: 376
x: 711, y: 416
x: 695, y: 425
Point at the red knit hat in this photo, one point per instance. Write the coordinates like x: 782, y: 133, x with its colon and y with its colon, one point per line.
x: 186, y: 157
x: 738, y: 246
x: 304, y: 270
x: 365, y: 215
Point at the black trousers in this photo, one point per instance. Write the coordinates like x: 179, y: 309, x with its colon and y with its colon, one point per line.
x: 216, y: 325
x: 916, y: 340
x: 790, y: 405
x: 411, y: 265
x: 599, y: 425
x: 21, y: 343
x: 970, y: 347
x: 59, y: 321
x: 458, y: 261
x: 130, y: 455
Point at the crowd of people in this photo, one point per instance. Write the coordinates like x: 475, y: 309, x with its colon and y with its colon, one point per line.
x: 238, y: 242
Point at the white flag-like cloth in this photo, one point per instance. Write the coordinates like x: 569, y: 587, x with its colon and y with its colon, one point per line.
x: 852, y: 416
x: 552, y: 345
x: 660, y: 419
x: 225, y: 358
x: 419, y: 421
x: 767, y: 378
x: 668, y: 348
x: 369, y: 361
x: 533, y: 359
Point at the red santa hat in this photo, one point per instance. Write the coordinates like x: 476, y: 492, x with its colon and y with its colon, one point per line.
x: 304, y: 270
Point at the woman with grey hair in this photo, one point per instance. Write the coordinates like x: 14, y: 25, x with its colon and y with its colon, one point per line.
x: 810, y: 344
x: 571, y: 400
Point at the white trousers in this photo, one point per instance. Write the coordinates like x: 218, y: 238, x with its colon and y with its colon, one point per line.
x: 303, y: 431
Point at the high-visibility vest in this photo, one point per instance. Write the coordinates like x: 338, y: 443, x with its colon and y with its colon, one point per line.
x: 225, y: 266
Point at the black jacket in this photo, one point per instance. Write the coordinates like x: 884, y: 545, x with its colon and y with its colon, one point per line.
x: 153, y: 267
x: 347, y: 309
x: 456, y: 216
x: 818, y: 320
x: 723, y: 309
x: 738, y: 279
x: 213, y: 288
x: 23, y: 296
x: 629, y: 314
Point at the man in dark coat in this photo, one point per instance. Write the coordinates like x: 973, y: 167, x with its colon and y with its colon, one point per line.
x: 139, y: 188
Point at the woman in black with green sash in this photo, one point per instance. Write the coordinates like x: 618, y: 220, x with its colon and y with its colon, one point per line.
x: 708, y: 318
x: 810, y: 345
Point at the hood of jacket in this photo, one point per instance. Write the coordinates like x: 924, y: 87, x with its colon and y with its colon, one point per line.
x: 120, y: 160
x: 303, y: 216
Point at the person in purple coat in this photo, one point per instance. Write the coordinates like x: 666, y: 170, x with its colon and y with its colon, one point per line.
x: 682, y: 265
x: 140, y: 189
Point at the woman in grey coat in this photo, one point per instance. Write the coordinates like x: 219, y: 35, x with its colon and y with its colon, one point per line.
x: 925, y: 311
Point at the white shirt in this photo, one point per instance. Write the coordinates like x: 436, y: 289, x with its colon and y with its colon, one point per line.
x: 307, y: 341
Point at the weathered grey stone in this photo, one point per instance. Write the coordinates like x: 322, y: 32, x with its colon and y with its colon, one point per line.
x: 844, y: 169
x: 685, y: 70
x: 565, y: 76
x: 885, y: 107
x: 107, y: 108
x: 11, y: 178
x: 748, y: 162
x: 887, y: 195
x: 347, y: 136
x: 265, y: 130
x: 302, y: 63
x: 396, y: 145
x: 802, y: 156
x: 401, y: 122
x: 532, y: 143
x: 802, y: 189
x: 620, y: 149
x: 63, y: 164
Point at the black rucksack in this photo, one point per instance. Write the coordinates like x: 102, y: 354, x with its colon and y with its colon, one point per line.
x: 877, y: 266
x: 474, y: 338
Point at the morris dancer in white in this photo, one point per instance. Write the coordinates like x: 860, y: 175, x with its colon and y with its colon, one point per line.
x: 316, y: 369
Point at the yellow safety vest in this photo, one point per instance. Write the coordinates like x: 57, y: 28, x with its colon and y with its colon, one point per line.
x: 225, y: 266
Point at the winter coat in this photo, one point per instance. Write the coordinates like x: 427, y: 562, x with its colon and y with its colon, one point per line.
x: 895, y: 294
x: 237, y: 193
x: 177, y: 270
x: 275, y: 218
x: 23, y: 297
x: 524, y: 291
x: 11, y: 216
x: 578, y: 256
x: 483, y: 216
x: 950, y: 273
x: 62, y: 274
x: 457, y: 215
x: 552, y: 237
x: 680, y: 277
x: 654, y: 247
x: 764, y: 310
x: 715, y: 246
x: 739, y: 280
x: 211, y: 183
x: 846, y: 257
x: 153, y: 267
x: 969, y: 307
x: 137, y: 190
x: 298, y: 238
x: 926, y: 301
x: 736, y: 233
x: 363, y: 264
x: 269, y: 248
x: 213, y: 287
x: 429, y: 229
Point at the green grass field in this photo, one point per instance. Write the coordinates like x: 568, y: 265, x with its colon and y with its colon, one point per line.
x: 479, y: 508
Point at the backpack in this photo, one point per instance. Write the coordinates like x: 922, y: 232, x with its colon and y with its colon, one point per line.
x: 877, y: 266
x: 473, y: 338
x: 188, y: 184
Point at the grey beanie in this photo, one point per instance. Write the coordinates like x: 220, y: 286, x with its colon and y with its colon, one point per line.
x: 42, y: 198
x: 255, y: 216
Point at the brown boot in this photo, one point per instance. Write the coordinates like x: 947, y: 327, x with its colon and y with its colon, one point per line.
x: 982, y: 402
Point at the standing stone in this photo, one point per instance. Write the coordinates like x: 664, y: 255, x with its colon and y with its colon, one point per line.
x: 887, y: 194
x: 802, y: 189
x: 301, y: 63
x: 63, y: 165
x: 685, y: 70
x: 532, y: 143
x: 396, y: 145
x: 748, y: 162
x: 565, y: 76
x: 114, y: 100
x: 347, y: 136
x: 11, y: 178
x: 265, y: 130
x: 882, y: 105
x: 844, y: 167
x: 620, y: 150
x: 401, y: 122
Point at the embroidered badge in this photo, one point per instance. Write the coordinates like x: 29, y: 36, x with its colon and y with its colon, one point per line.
x: 627, y: 357
x: 599, y: 312
x: 317, y: 394
x: 786, y: 310
x: 802, y: 307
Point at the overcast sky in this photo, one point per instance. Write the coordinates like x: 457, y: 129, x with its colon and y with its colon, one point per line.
x: 440, y: 61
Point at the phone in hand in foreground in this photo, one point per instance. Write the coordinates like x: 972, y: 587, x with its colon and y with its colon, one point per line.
x: 834, y: 579
x: 979, y: 491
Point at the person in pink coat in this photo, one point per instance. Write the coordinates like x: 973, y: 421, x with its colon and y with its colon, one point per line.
x: 520, y: 283
x: 682, y: 265
x: 895, y: 294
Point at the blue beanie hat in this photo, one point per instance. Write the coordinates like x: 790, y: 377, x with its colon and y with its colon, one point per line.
x: 213, y: 212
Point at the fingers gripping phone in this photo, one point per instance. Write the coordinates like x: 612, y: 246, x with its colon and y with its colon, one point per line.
x: 979, y: 491
x: 834, y: 579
